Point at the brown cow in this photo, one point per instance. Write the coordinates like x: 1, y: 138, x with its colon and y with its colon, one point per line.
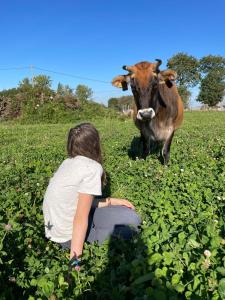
x: 159, y: 108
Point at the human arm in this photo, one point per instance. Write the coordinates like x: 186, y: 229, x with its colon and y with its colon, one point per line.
x: 104, y: 202
x: 80, y: 224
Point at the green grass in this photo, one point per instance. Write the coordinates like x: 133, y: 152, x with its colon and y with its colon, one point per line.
x: 182, y: 207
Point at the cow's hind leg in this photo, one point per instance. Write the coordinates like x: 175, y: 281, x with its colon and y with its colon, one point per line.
x: 166, y: 149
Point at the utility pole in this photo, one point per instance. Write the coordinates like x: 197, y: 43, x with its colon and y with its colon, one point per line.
x: 32, y: 74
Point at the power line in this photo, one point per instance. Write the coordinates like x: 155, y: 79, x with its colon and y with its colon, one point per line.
x: 14, y: 68
x: 54, y: 72
x: 32, y: 68
x: 71, y: 75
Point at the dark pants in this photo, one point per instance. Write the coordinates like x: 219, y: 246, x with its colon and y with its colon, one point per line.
x: 110, y: 221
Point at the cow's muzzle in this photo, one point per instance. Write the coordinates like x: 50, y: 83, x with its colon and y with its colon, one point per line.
x: 146, y: 114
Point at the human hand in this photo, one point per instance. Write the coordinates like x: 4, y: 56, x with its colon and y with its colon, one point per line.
x: 124, y: 202
x: 74, y: 264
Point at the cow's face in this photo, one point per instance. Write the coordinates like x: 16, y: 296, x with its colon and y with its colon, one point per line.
x: 142, y: 78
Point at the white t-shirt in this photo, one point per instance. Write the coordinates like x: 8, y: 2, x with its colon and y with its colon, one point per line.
x: 75, y: 175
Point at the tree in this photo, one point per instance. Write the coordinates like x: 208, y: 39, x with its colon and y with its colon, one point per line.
x: 212, y: 89
x: 186, y: 67
x: 113, y: 103
x: 60, y: 89
x: 185, y: 95
x: 83, y: 93
x: 68, y: 90
x: 42, y: 82
x: 212, y: 62
x: 25, y: 85
x: 42, y: 88
x: 64, y: 90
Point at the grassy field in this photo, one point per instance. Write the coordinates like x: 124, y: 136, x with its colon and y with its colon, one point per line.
x: 181, y: 205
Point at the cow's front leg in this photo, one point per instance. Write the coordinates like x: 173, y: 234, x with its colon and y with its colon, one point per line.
x: 166, y: 149
x: 145, y: 145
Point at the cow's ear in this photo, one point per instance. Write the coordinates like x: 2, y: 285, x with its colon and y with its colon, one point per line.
x: 167, y: 76
x: 167, y: 88
x: 120, y: 82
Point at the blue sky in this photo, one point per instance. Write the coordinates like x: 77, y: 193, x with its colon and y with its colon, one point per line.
x: 94, y: 39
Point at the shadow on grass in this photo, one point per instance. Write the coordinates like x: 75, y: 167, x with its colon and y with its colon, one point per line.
x: 136, y: 149
x: 128, y: 275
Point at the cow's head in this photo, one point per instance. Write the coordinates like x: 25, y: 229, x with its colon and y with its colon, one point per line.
x: 144, y: 79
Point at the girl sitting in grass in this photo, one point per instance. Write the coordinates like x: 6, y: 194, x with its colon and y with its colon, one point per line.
x: 71, y: 213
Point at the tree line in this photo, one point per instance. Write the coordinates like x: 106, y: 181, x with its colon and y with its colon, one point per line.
x: 33, y: 93
x: 207, y: 73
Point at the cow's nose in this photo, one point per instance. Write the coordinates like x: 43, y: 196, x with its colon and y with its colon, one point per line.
x: 143, y: 114
x: 146, y: 114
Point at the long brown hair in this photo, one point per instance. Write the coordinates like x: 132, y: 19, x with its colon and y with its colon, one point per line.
x: 84, y: 140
